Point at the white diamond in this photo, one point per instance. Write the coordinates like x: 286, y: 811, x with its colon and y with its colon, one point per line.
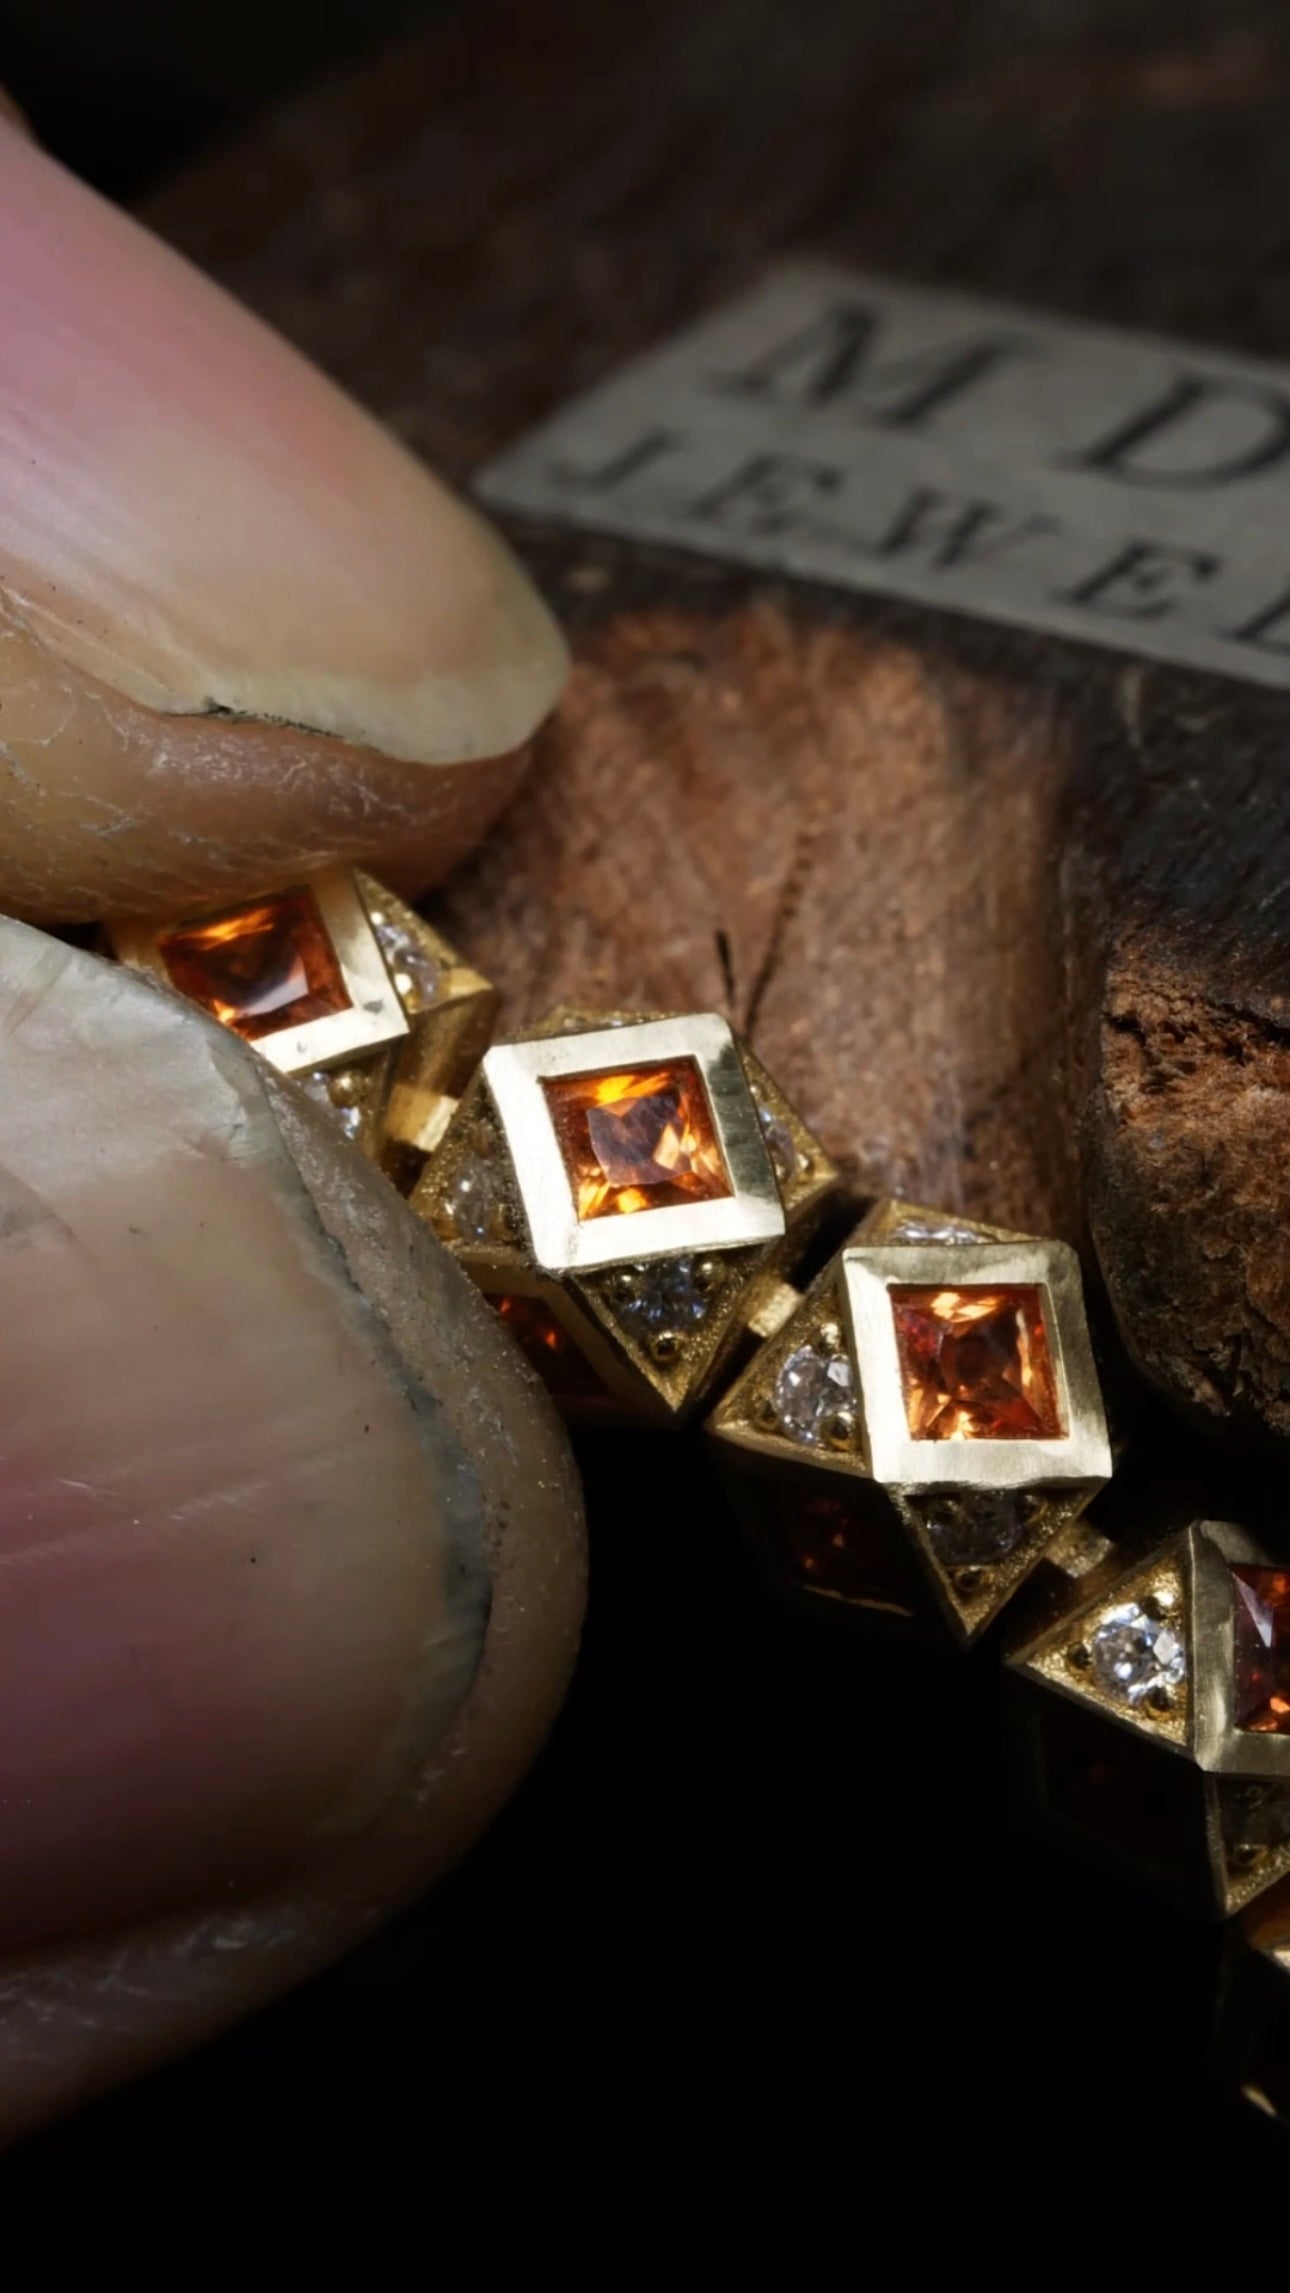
x: 972, y: 1527
x: 474, y: 1202
x: 1260, y: 1816
x: 780, y: 1144
x: 317, y: 1086
x: 809, y: 1392
x: 666, y: 1295
x: 1135, y: 1654
x: 917, y: 1229
x: 412, y: 967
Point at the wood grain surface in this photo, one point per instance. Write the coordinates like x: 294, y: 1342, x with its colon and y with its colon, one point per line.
x: 1005, y: 914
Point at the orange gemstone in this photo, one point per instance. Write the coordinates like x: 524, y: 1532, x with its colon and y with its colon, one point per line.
x: 260, y: 967
x: 1262, y: 1650
x: 563, y: 1368
x: 976, y: 1365
x: 831, y: 1541
x: 637, y: 1138
x: 1111, y: 1784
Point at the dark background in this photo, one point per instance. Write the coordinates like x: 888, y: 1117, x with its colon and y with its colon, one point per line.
x: 766, y: 1921
x: 127, y: 93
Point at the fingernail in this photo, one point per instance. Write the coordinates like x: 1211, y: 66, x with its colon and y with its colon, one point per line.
x: 249, y: 1525
x: 218, y: 575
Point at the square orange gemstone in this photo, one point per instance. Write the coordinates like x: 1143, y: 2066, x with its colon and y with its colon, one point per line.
x: 975, y: 1364
x: 566, y: 1371
x: 637, y: 1138
x: 1262, y: 1650
x: 257, y: 968
x: 831, y: 1541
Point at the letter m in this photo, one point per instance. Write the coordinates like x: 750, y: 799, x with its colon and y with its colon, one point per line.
x: 838, y: 361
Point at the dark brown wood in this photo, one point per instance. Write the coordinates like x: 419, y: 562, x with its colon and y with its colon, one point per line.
x: 1007, y: 916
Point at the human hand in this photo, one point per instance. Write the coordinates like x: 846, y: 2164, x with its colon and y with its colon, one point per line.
x: 290, y: 1567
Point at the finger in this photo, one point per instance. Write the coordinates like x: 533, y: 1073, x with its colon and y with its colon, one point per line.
x: 242, y: 631
x: 79, y: 2019
x: 289, y: 1539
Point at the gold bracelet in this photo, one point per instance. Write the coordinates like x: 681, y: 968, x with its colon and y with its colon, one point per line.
x: 911, y: 1438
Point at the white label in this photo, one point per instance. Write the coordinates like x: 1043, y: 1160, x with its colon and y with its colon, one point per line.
x: 1104, y: 485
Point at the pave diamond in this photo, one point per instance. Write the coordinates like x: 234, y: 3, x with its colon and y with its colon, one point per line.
x: 915, y: 1227
x: 970, y: 1528
x: 780, y: 1144
x: 412, y: 967
x: 1257, y: 1815
x: 810, y: 1391
x: 320, y: 1086
x: 670, y: 1294
x: 1136, y: 1655
x: 474, y: 1202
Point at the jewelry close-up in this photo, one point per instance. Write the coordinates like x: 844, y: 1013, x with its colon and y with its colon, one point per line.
x: 628, y: 1192
x: 912, y: 1438
x: 923, y: 1424
x: 343, y: 987
x: 1158, y: 1718
x: 1253, y: 2031
x: 645, y: 994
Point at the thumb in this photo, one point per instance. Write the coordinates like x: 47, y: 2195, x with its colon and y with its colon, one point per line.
x: 242, y: 631
x: 290, y: 1538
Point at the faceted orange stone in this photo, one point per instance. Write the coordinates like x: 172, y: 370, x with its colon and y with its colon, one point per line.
x: 563, y: 1368
x: 1262, y: 1650
x: 976, y: 1365
x: 833, y: 1541
x: 257, y: 968
x: 637, y: 1138
x: 1112, y: 1785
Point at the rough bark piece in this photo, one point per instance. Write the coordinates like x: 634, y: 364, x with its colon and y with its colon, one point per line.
x: 1175, y: 899
x: 980, y: 899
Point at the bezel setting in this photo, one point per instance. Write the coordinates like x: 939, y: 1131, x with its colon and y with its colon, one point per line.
x: 374, y: 1018
x: 972, y: 1518
x: 1080, y: 1454
x: 562, y: 1243
x: 1235, y: 1827
x: 389, y: 1068
x: 655, y: 1299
